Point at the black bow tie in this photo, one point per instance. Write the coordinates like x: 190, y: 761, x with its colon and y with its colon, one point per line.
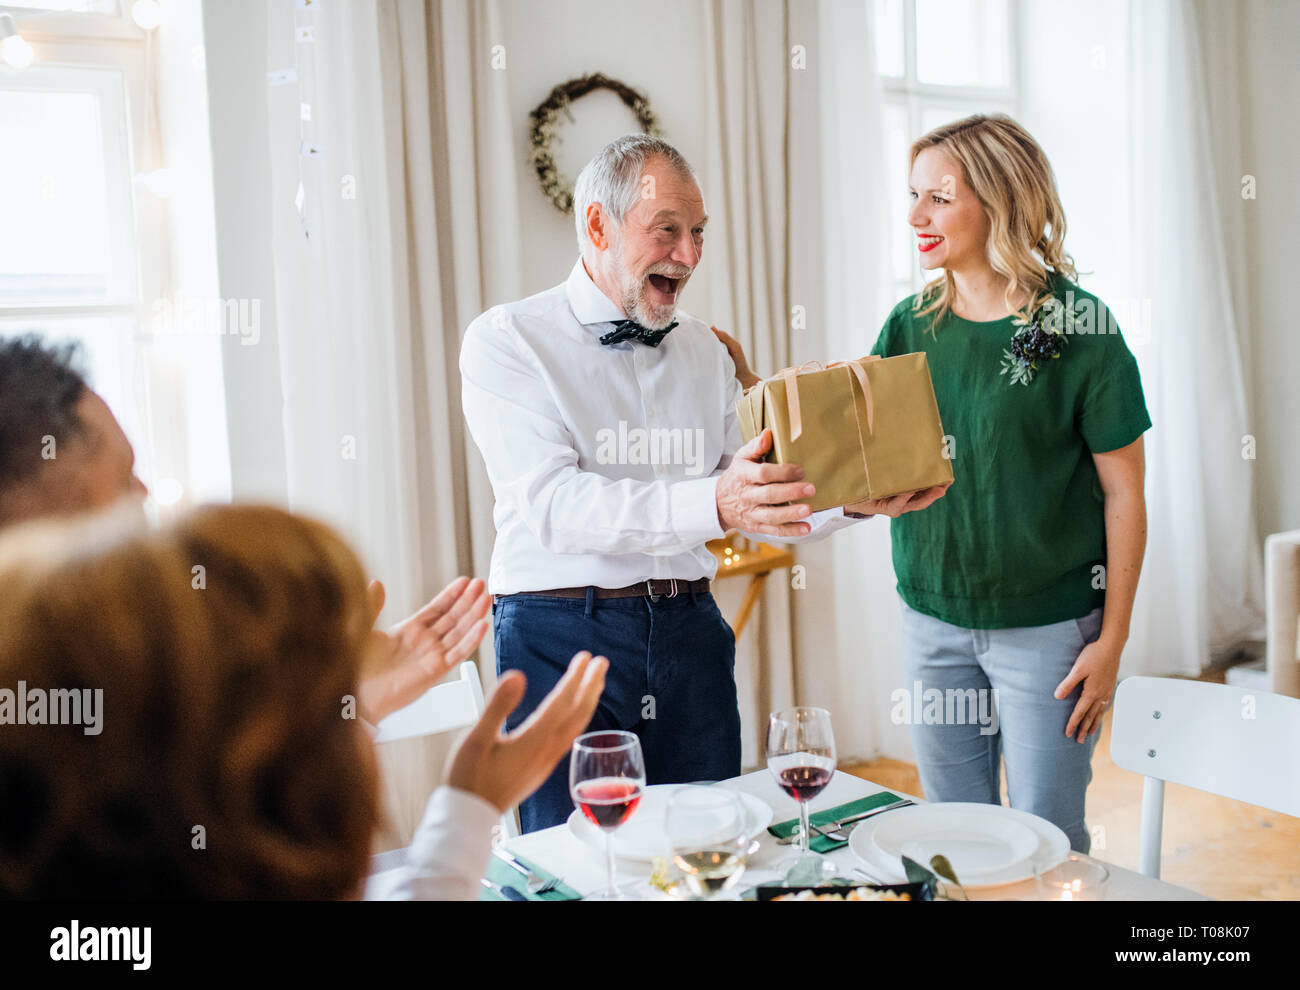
x: 631, y: 330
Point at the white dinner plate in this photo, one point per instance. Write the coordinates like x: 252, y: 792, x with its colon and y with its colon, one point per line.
x: 977, y: 845
x: 1052, y: 846
x: 644, y: 836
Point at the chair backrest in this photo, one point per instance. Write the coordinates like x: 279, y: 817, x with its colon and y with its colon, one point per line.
x: 1282, y: 604
x: 445, y: 707
x: 451, y: 705
x: 1226, y: 740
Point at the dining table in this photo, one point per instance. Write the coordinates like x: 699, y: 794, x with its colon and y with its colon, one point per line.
x: 560, y: 852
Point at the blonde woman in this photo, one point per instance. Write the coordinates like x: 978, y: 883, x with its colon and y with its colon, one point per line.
x: 1019, y: 583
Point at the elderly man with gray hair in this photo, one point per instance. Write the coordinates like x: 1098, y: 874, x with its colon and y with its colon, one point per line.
x: 606, y: 418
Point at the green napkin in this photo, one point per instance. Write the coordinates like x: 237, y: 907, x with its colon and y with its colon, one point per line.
x: 499, y: 871
x: 821, y: 844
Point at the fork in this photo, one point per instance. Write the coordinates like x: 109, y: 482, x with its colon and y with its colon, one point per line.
x: 841, y: 833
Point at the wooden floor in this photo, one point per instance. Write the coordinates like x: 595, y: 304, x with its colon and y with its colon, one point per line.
x: 1222, y: 848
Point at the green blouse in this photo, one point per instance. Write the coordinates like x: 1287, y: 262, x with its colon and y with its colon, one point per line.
x: 1018, y: 538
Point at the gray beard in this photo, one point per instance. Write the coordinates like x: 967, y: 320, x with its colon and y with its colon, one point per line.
x: 633, y: 308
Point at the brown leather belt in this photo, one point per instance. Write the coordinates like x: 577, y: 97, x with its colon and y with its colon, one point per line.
x: 654, y: 590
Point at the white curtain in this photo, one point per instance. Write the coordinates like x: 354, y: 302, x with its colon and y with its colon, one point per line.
x: 1121, y: 101
x: 409, y: 169
x: 857, y: 233
x: 794, y: 108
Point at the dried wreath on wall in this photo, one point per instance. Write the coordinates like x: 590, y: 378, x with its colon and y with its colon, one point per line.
x: 544, y: 119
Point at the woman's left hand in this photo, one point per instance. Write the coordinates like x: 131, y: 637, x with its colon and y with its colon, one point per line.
x: 1097, y: 667
x: 744, y: 375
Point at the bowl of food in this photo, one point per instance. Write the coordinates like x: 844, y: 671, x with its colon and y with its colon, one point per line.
x: 846, y: 892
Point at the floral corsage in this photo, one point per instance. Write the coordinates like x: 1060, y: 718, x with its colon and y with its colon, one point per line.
x: 1040, y: 338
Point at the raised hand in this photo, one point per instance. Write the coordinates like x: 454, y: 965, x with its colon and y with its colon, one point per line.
x: 750, y: 493
x: 505, y: 768
x: 419, y: 651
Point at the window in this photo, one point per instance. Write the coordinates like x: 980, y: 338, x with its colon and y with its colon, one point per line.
x: 86, y: 249
x: 940, y: 60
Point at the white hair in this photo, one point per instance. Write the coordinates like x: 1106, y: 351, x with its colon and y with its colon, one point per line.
x: 613, y: 178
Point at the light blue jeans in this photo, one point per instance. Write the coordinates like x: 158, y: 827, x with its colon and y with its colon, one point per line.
x: 1013, y: 674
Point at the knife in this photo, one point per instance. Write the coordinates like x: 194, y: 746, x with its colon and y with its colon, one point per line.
x: 509, y: 893
x: 505, y: 857
x: 832, y: 826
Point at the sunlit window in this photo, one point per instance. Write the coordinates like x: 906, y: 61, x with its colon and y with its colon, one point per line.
x: 941, y: 60
x: 86, y: 248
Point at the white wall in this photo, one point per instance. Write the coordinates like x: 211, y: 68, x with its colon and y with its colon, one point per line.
x: 657, y: 49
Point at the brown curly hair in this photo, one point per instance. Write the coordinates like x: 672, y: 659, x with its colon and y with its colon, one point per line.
x: 225, y: 646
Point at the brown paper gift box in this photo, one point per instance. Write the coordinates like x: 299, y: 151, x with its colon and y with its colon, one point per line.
x: 861, y: 430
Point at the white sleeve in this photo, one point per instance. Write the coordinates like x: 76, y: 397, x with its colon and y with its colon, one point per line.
x: 533, y: 465
x: 449, y: 854
x: 823, y: 523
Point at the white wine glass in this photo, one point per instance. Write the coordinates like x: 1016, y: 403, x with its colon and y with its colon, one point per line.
x: 707, y: 836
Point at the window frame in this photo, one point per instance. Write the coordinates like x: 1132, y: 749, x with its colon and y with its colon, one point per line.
x: 915, y: 97
x: 113, y: 42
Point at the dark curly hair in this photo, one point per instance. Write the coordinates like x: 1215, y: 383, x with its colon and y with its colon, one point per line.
x: 40, y: 386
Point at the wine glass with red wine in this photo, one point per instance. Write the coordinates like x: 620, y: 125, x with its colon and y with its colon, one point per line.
x: 606, y: 779
x: 801, y: 756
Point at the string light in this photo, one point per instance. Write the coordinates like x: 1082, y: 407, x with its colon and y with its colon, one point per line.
x: 158, y: 182
x: 167, y: 491
x: 147, y: 14
x: 14, y: 48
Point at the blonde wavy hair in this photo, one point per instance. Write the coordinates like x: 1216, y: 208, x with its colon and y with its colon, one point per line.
x: 222, y: 707
x: 1013, y: 181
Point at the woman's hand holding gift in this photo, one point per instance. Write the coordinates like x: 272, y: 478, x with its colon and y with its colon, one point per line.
x: 898, y: 504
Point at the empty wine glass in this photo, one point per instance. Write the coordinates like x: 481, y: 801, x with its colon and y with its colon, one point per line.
x: 606, y: 780
x: 708, y: 838
x: 801, y: 756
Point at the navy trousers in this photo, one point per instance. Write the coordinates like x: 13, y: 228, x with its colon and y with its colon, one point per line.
x: 671, y: 680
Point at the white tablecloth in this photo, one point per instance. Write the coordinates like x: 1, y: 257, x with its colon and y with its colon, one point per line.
x: 583, y: 867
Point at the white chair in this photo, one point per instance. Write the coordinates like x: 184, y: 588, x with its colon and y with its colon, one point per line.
x: 1282, y: 597
x: 1226, y: 740
x: 446, y: 707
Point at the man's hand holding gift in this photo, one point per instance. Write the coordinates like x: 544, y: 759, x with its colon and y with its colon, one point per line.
x: 752, y: 494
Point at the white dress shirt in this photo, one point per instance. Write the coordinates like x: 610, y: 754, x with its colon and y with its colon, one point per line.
x: 449, y: 854
x: 604, y: 459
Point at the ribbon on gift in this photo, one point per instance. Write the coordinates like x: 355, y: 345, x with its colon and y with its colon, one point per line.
x: 750, y: 410
x: 791, y: 378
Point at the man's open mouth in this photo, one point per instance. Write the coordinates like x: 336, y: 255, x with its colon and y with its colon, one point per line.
x: 664, y: 284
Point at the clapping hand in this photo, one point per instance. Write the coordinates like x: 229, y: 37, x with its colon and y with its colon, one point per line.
x: 419, y: 651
